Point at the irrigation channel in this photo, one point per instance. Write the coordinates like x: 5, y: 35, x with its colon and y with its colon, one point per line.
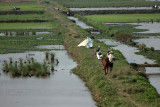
x: 128, y: 52
x: 22, y: 33
x: 110, y: 8
x: 61, y: 89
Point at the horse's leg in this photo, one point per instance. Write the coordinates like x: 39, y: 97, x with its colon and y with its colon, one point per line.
x: 106, y: 70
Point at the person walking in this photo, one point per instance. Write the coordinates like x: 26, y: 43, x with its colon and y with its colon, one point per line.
x: 111, y: 60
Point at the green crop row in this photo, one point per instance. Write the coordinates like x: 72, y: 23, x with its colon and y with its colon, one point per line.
x: 44, y: 25
x: 124, y: 18
x: 22, y: 6
x: 106, y: 3
x: 26, y: 43
x: 23, y: 17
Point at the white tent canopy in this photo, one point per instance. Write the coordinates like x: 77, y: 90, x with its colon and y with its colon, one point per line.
x: 88, y: 42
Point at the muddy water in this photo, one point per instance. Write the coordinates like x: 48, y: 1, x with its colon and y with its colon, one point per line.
x: 50, y: 47
x: 22, y: 33
x: 150, y: 27
x: 95, y: 32
x: 150, y: 42
x: 154, y: 77
x: 79, y: 23
x: 128, y: 52
x: 109, y: 8
x: 61, y: 89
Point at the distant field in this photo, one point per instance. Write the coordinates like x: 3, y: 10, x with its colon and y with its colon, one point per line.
x: 45, y: 25
x: 123, y: 17
x: 22, y: 6
x: 23, y: 17
x: 106, y: 3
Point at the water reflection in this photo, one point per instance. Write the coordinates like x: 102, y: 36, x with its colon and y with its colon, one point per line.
x: 151, y: 27
x: 154, y: 77
x: 153, y: 41
x: 62, y: 89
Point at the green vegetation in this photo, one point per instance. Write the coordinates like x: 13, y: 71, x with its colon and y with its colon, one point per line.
x: 113, y: 18
x: 44, y: 25
x: 27, y: 68
x: 23, y: 6
x: 26, y: 43
x: 149, y: 53
x: 124, y: 87
x: 124, y: 30
x: 106, y: 3
x: 23, y: 17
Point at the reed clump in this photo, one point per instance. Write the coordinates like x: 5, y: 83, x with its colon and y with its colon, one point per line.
x: 26, y: 68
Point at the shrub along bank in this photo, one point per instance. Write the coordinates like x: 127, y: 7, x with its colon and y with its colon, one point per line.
x: 124, y: 87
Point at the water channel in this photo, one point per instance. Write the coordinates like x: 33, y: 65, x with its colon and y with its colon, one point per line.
x: 22, y: 33
x: 110, y: 8
x: 61, y: 89
x: 80, y: 23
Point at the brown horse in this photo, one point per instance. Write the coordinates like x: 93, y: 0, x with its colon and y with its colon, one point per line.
x: 105, y: 63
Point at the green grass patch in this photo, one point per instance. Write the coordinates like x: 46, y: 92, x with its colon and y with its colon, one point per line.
x: 44, y: 25
x: 25, y: 68
x: 23, y: 17
x: 27, y: 43
x: 113, y: 18
x: 22, y: 6
x: 106, y: 3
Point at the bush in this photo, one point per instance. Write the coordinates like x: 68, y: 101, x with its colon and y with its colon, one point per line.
x: 152, y: 48
x: 124, y: 37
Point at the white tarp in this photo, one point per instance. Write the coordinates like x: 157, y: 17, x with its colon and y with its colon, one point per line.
x: 87, y: 42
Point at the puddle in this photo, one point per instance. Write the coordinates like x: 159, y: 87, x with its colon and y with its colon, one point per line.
x: 109, y: 8
x: 128, y: 52
x: 50, y: 47
x: 22, y: 33
x: 150, y: 42
x: 154, y: 76
x: 95, y: 32
x: 151, y: 27
x: 61, y: 89
x: 79, y: 23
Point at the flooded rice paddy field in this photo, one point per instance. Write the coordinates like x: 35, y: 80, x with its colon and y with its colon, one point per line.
x: 61, y: 89
x: 128, y: 52
x: 150, y: 27
x: 110, y: 8
x: 153, y: 41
